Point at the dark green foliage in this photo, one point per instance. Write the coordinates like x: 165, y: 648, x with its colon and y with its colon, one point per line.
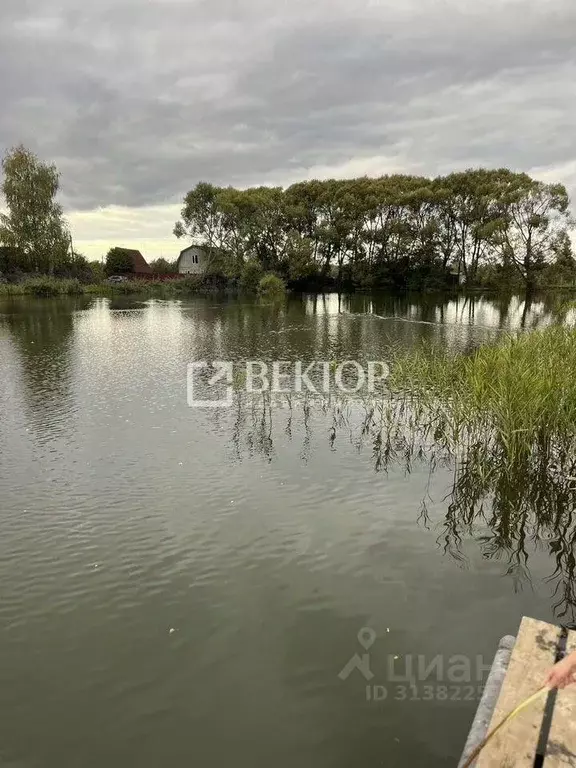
x: 9, y: 260
x: 271, y: 286
x: 97, y: 272
x: 162, y: 266
x: 491, y: 227
x: 251, y: 275
x: 562, y: 271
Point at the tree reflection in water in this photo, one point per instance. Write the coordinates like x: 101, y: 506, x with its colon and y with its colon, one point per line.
x: 508, y: 511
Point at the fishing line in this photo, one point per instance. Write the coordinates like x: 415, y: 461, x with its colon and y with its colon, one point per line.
x: 550, y: 704
x: 510, y: 716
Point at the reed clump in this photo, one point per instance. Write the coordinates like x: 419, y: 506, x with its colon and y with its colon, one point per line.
x: 515, y: 398
x: 43, y: 286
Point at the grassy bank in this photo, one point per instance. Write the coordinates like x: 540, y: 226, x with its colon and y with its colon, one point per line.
x: 42, y: 286
x: 45, y: 286
x: 52, y: 286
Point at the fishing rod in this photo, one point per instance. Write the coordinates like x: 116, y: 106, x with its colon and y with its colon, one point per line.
x: 526, y: 703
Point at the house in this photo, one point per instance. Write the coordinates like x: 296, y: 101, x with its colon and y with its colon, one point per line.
x: 139, y: 264
x: 192, y: 260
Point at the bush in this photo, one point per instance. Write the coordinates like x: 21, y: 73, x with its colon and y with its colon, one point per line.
x: 42, y: 286
x: 133, y: 286
x: 73, y: 287
x: 271, y: 286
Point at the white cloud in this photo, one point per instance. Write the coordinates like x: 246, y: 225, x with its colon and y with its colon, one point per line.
x: 147, y: 229
x: 136, y: 102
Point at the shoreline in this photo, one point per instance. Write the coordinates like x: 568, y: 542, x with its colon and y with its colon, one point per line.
x: 52, y: 287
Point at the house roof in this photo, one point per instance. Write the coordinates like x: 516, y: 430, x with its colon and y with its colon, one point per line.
x: 190, y: 247
x: 139, y: 263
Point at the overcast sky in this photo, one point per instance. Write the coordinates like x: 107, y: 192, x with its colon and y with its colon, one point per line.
x: 138, y: 100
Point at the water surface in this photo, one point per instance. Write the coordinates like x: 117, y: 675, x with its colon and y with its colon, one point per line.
x: 184, y: 586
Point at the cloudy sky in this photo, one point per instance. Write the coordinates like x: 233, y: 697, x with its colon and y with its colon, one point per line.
x: 137, y: 100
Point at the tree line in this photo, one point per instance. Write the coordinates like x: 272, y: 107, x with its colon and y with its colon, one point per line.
x: 478, y: 227
x: 400, y: 231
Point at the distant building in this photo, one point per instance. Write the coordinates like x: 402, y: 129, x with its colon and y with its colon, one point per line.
x: 192, y: 260
x: 139, y: 264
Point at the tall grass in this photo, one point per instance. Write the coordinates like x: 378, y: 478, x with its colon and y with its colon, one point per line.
x: 516, y: 398
x: 43, y: 286
x: 192, y: 284
x: 11, y: 289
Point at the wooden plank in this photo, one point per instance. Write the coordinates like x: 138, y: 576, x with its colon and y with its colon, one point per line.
x: 533, y: 655
x: 561, y: 748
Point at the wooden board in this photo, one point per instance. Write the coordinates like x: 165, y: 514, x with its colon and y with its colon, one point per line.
x: 533, y: 655
x: 561, y: 748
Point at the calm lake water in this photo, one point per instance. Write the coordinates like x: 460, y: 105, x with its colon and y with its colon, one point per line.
x: 185, y: 586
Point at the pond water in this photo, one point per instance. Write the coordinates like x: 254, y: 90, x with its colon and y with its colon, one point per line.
x: 189, y: 586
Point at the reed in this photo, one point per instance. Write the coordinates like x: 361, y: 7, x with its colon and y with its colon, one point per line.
x: 515, y: 398
x: 42, y: 286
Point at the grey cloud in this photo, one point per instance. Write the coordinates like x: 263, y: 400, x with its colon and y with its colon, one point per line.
x: 137, y: 101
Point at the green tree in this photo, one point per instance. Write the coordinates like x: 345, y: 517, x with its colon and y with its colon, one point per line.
x: 118, y: 262
x: 234, y: 205
x: 271, y: 286
x: 162, y: 266
x: 534, y: 217
x: 394, y: 231
x: 300, y: 257
x: 34, y: 224
x: 202, y: 216
x: 97, y: 271
x: 561, y: 271
x: 470, y: 216
x: 251, y: 275
x: 264, y: 225
x: 9, y: 259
